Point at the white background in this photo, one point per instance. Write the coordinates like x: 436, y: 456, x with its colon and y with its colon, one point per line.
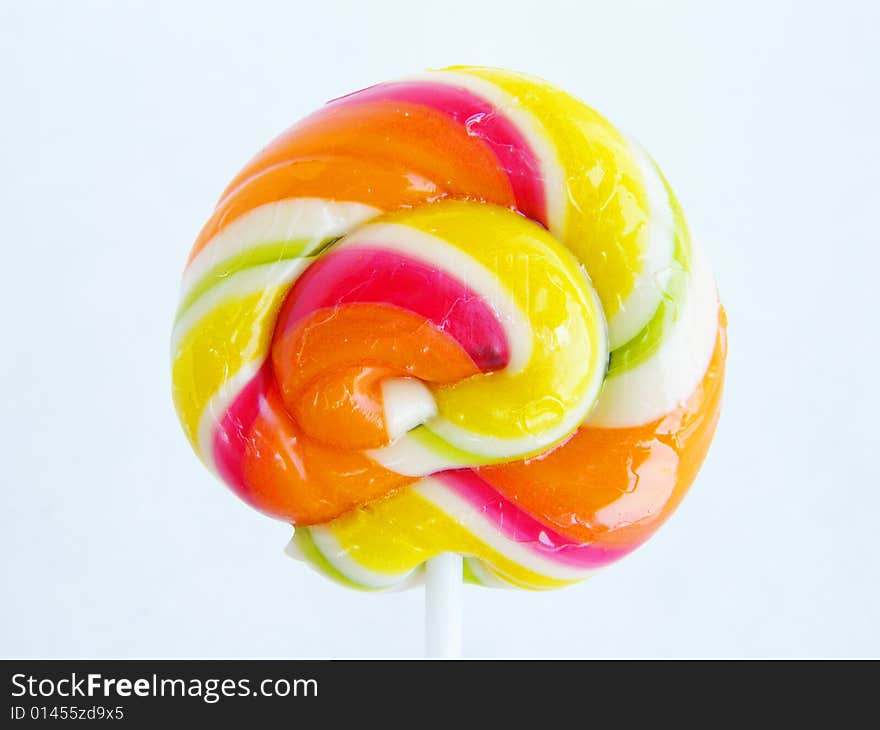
x: 120, y: 124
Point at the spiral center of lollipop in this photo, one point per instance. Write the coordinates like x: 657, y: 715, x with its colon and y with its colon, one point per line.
x: 461, y: 327
x: 364, y: 333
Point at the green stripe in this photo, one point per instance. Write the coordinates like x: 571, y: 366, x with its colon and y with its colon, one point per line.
x: 468, y: 575
x: 430, y: 440
x: 302, y: 537
x: 643, y: 346
x: 265, y: 253
x: 425, y: 437
x: 646, y: 343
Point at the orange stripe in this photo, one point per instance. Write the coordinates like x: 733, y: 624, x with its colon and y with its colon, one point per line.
x: 387, y: 154
x: 330, y: 367
x: 615, y: 487
x: 297, y: 479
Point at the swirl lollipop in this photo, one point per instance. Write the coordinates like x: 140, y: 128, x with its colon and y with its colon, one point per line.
x: 454, y: 314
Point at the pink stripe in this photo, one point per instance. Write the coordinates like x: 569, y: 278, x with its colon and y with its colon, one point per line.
x: 521, y: 527
x: 231, y: 439
x: 230, y: 444
x: 482, y: 120
x: 371, y: 274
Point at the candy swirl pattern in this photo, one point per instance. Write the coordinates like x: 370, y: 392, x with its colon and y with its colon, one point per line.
x: 458, y: 312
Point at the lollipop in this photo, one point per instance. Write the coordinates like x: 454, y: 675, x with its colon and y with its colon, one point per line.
x: 460, y: 313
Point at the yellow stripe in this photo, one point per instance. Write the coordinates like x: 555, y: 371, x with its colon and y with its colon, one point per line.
x: 389, y: 537
x: 607, y: 207
x: 236, y: 333
x: 567, y: 326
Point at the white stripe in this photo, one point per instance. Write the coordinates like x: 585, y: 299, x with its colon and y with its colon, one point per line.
x: 406, y: 403
x: 487, y: 578
x: 657, y: 258
x: 290, y: 219
x: 664, y: 381
x: 339, y: 557
x: 217, y: 406
x: 483, y: 529
x: 266, y: 278
x: 409, y: 457
x: 415, y: 579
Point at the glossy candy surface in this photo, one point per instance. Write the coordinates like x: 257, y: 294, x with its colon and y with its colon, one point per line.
x: 459, y: 312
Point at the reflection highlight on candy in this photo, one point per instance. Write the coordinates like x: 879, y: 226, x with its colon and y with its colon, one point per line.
x: 461, y: 313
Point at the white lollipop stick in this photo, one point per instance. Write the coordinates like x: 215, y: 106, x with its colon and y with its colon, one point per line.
x: 443, y: 607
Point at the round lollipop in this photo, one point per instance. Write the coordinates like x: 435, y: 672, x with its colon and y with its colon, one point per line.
x: 459, y: 314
